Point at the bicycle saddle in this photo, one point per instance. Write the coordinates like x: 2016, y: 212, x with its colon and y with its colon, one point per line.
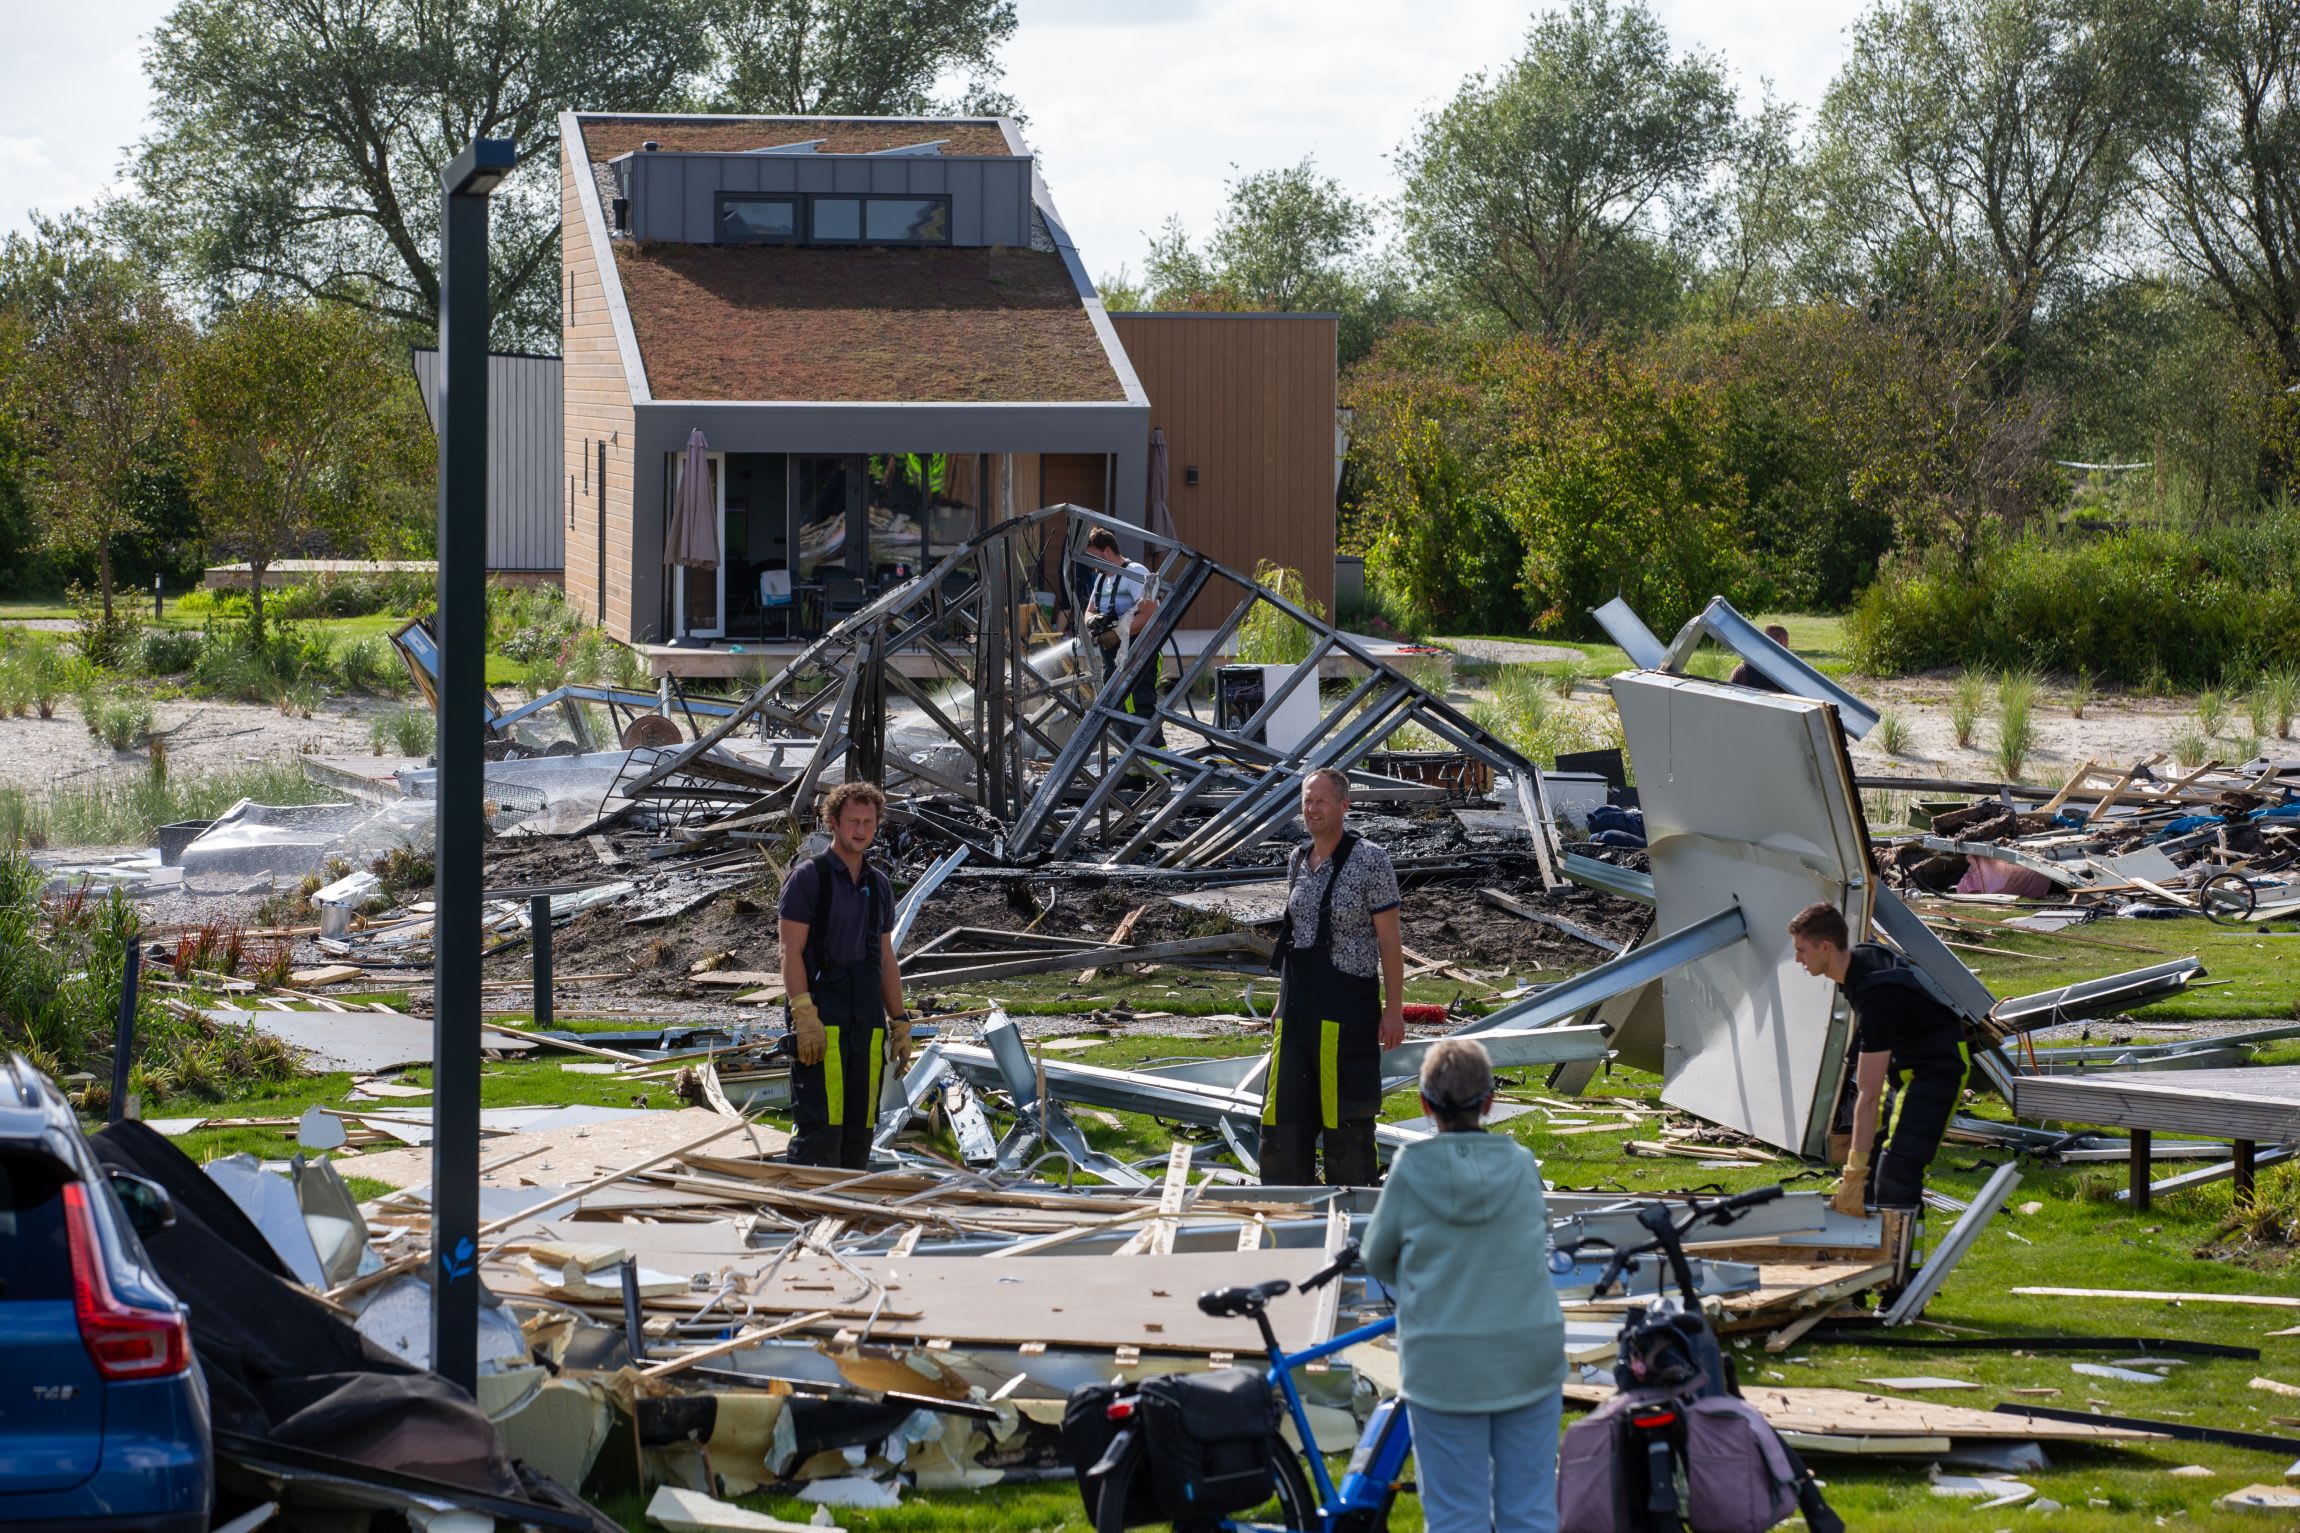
x: 1242, y: 1301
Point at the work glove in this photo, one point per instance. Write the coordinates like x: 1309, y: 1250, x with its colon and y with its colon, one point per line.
x: 898, y: 1041
x: 1853, y: 1188
x: 807, y: 1024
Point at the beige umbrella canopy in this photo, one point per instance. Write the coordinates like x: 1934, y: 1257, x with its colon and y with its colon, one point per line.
x: 692, y: 540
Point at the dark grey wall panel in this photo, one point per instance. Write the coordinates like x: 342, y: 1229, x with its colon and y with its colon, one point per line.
x: 675, y: 196
x: 526, y: 511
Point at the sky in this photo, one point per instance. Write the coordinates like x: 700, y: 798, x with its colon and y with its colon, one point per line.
x: 1139, y: 109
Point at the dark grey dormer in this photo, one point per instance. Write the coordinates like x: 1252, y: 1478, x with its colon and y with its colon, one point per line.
x: 793, y: 194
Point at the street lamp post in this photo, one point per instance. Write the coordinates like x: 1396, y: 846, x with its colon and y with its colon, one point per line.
x: 459, y: 853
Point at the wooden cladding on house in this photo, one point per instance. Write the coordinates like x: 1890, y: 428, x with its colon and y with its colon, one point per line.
x: 599, y: 426
x: 1247, y: 400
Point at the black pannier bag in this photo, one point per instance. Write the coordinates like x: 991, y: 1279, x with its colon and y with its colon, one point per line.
x: 1087, y: 1432
x: 1208, y: 1436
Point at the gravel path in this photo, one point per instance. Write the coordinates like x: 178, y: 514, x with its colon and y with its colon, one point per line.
x: 1507, y: 651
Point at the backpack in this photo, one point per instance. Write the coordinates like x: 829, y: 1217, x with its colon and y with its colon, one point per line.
x: 1208, y: 1436
x: 1740, y: 1476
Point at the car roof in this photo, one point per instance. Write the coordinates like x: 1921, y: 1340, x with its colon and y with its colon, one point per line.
x: 34, y: 1114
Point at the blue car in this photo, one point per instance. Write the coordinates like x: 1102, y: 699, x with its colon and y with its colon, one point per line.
x: 103, y: 1412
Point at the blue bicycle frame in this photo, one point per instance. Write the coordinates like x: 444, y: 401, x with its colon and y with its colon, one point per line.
x: 1380, y: 1460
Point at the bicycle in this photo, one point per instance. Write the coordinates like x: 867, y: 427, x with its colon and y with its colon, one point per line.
x: 1307, y: 1502
x: 1668, y: 1357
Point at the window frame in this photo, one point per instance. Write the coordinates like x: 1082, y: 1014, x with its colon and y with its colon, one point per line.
x: 862, y: 200
x: 801, y: 217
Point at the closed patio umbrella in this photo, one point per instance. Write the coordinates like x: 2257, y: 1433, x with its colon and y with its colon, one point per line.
x: 692, y: 539
x: 1161, y: 517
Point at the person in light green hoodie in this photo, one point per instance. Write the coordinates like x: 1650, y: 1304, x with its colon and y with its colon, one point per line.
x: 1460, y: 1238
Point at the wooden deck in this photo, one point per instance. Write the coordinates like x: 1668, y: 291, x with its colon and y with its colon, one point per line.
x: 2251, y: 1107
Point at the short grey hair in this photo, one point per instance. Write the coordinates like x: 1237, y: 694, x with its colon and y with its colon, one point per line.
x: 1334, y: 777
x: 1457, y: 1077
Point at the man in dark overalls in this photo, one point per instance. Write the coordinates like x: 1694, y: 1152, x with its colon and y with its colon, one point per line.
x: 1903, y: 1037
x: 843, y: 986
x: 1342, y: 956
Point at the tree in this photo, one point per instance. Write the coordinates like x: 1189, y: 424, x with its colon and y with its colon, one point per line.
x: 2227, y: 178
x: 1564, y: 196
x: 97, y: 391
x: 1760, y: 217
x: 295, y: 426
x: 861, y: 57
x: 298, y: 144
x: 1287, y: 241
x: 1995, y: 137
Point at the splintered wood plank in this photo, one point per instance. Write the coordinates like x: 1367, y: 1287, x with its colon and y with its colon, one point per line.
x: 1839, y: 1412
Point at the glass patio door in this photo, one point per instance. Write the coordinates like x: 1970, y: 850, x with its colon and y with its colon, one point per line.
x: 699, y: 596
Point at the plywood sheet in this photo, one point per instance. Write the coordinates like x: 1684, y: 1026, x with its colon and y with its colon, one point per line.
x: 570, y: 1155
x: 1149, y: 1302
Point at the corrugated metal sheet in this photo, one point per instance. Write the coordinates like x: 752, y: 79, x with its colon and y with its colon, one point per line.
x: 526, y: 517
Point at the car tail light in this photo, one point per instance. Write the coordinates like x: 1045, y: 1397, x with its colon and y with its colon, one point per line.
x: 126, y: 1341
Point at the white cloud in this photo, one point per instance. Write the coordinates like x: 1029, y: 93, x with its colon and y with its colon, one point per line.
x: 72, y: 98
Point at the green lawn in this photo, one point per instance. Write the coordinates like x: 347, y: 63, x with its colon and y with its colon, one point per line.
x: 1817, y: 638
x: 2078, y: 1238
x: 502, y: 671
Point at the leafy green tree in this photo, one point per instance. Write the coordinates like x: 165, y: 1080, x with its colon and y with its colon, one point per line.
x: 861, y: 57
x: 1760, y: 223
x: 297, y: 144
x: 97, y: 389
x: 1566, y: 194
x: 1288, y: 241
x: 2227, y: 184
x: 1996, y: 139
x: 297, y: 429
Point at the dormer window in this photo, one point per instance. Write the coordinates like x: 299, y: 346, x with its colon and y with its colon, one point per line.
x: 878, y: 220
x: 745, y: 220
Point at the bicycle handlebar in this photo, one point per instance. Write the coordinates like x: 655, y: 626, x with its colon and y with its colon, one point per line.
x: 1668, y: 1232
x: 1343, y: 1262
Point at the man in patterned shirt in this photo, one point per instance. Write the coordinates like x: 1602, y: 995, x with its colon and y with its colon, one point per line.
x: 1342, y: 1003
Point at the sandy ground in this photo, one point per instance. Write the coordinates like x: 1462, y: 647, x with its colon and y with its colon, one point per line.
x: 38, y: 754
x: 2116, y: 731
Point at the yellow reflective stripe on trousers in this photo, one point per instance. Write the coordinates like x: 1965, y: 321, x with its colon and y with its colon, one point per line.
x: 877, y: 1073
x: 1330, y: 1074
x: 1270, y: 1076
x: 834, y: 1076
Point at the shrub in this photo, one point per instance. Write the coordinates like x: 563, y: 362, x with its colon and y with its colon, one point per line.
x: 2180, y: 604
x: 1269, y: 636
x: 1967, y: 704
x: 1892, y: 733
x: 530, y: 623
x: 407, y: 731
x: 2283, y: 689
x: 2211, y: 712
x: 121, y: 720
x: 1521, y: 715
x: 372, y: 666
x: 61, y: 968
x: 110, y: 642
x: 2016, y: 723
x: 169, y: 652
x: 2080, y: 695
x: 2192, y: 749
